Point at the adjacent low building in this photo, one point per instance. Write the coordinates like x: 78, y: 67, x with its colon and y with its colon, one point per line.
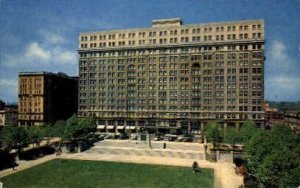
x: 8, y: 117
x: 46, y: 97
x: 171, y: 77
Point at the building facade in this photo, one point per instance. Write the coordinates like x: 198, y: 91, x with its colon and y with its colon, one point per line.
x: 46, y: 97
x: 8, y: 117
x: 173, y: 78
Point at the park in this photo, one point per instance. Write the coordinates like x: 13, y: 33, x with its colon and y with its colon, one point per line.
x: 80, y: 173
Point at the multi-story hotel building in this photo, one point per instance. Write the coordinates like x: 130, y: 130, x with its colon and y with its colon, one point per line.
x: 46, y: 97
x: 173, y: 77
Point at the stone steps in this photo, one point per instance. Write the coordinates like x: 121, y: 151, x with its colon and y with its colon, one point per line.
x: 145, y: 152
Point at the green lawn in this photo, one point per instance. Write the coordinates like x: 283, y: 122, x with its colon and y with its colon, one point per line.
x: 78, y: 173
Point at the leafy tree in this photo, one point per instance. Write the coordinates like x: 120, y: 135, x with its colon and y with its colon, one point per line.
x: 88, y: 124
x: 213, y: 134
x: 257, y: 148
x: 247, y: 130
x: 35, y: 134
x: 285, y: 134
x: 58, y: 129
x: 14, y: 137
x: 232, y: 136
x: 78, y: 128
x: 73, y: 129
x: 280, y: 168
x: 273, y: 157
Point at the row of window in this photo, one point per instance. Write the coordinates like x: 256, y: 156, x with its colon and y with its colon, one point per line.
x: 173, y: 108
x: 206, y: 79
x: 172, y: 93
x: 186, y: 31
x: 170, y: 40
x: 170, y: 51
x: 195, y: 68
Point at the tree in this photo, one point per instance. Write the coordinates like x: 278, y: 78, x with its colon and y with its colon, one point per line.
x: 78, y: 128
x: 58, y: 129
x: 88, y: 124
x: 232, y: 136
x: 35, y: 134
x: 213, y: 134
x: 273, y: 157
x: 257, y: 148
x: 280, y: 168
x: 14, y: 137
x: 247, y: 130
x: 72, y: 129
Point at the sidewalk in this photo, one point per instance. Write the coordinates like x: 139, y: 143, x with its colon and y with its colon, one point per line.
x: 23, y: 165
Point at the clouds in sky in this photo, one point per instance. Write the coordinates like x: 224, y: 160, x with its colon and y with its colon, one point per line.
x: 52, y: 37
x: 282, y: 80
x: 49, y: 53
x: 50, y: 50
x: 10, y: 89
x: 34, y: 51
x: 43, y: 35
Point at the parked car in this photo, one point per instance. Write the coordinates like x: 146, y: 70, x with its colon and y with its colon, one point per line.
x: 158, y: 138
x: 187, y: 139
x: 171, y: 137
x: 109, y: 136
x: 123, y: 137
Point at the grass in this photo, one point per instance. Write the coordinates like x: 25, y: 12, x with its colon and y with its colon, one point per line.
x: 77, y: 173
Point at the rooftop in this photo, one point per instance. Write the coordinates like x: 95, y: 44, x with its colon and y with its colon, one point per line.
x: 173, y: 23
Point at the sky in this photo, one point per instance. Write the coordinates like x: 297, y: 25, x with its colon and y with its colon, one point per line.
x: 41, y: 35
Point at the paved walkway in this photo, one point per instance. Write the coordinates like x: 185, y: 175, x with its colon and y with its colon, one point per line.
x: 22, y: 165
x: 176, y: 154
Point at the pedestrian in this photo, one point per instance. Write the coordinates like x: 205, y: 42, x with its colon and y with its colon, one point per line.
x: 195, y: 167
x: 14, y: 164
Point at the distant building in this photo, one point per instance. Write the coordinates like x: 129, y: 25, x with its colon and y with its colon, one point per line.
x: 46, y: 97
x: 8, y: 117
x: 171, y: 77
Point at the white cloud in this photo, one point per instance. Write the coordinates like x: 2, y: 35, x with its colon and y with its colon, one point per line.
x: 35, y: 51
x: 40, y: 54
x: 283, y: 87
x: 8, y: 82
x: 8, y: 89
x: 278, y: 50
x: 279, y: 57
x: 64, y: 56
x: 286, y: 82
x: 281, y: 78
x: 52, y: 38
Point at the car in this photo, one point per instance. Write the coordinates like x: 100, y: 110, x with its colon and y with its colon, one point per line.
x: 123, y: 137
x: 187, y: 139
x: 109, y: 136
x: 158, y: 138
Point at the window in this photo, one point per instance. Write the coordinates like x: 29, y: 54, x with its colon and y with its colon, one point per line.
x: 259, y: 35
x: 259, y: 26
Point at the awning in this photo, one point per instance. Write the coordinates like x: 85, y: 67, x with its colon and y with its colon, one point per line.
x: 100, y: 126
x: 120, y: 127
x: 130, y: 127
x: 110, y: 127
